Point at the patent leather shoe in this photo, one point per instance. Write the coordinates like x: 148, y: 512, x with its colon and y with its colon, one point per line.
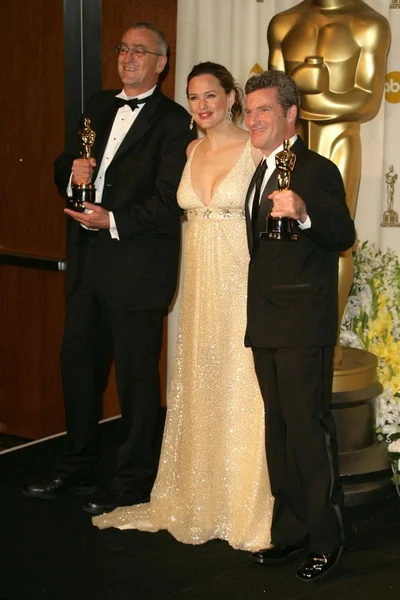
x: 317, y: 566
x: 276, y: 554
x: 49, y: 489
x: 112, y: 497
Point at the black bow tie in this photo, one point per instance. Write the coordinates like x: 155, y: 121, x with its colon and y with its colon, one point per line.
x: 133, y: 102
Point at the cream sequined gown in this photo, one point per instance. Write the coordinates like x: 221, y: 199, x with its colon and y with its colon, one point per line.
x: 212, y: 480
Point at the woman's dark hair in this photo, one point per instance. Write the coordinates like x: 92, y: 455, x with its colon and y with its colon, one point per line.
x: 225, y: 79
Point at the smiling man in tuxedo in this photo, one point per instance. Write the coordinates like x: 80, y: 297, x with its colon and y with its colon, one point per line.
x: 292, y: 328
x: 122, y: 256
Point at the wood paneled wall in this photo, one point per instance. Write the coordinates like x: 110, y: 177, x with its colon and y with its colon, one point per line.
x: 119, y: 14
x: 32, y: 130
x: 32, y: 311
x: 32, y: 302
x: 31, y: 218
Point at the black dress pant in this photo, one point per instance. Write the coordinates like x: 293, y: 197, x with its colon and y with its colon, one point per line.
x: 93, y: 334
x: 296, y: 384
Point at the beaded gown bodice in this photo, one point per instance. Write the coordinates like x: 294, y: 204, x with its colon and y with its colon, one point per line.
x: 228, y: 199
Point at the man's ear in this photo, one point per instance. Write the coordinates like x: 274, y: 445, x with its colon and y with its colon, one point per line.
x: 291, y: 113
x: 161, y: 62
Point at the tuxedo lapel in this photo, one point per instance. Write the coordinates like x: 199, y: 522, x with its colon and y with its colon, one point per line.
x: 247, y: 210
x: 139, y: 127
x: 298, y: 148
x: 265, y: 205
x: 104, y: 126
x: 141, y: 124
x: 265, y: 208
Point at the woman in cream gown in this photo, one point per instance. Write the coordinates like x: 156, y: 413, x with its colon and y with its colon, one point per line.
x: 212, y: 480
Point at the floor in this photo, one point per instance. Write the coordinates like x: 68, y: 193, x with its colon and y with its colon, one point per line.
x: 10, y: 441
x: 51, y: 551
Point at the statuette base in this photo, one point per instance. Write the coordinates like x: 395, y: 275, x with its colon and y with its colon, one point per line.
x: 279, y: 229
x: 84, y: 192
x: 390, y: 219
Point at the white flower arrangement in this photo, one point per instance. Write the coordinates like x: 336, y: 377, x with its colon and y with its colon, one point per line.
x: 371, y: 322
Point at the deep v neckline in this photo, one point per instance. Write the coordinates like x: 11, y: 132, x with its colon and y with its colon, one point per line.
x: 222, y: 180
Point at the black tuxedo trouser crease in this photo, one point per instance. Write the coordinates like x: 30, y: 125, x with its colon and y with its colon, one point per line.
x: 93, y: 334
x: 301, y: 445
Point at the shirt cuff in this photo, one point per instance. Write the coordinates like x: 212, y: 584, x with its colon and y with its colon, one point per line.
x: 306, y: 224
x: 113, y: 226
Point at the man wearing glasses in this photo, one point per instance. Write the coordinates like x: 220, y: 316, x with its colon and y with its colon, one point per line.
x: 122, y: 255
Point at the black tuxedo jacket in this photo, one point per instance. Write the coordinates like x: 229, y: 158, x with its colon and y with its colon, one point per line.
x: 293, y: 286
x: 140, y: 270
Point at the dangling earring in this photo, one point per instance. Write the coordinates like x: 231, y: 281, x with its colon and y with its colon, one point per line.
x: 229, y: 115
x: 191, y: 123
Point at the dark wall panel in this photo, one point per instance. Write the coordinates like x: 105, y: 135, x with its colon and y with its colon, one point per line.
x: 32, y: 126
x: 32, y: 314
x: 118, y: 15
x: 32, y: 221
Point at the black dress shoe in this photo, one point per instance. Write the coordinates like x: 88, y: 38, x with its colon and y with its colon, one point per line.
x: 276, y: 554
x: 112, y: 497
x: 317, y: 566
x: 52, y: 488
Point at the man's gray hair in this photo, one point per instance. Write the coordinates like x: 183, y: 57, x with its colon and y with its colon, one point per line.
x: 162, y: 44
x: 287, y: 92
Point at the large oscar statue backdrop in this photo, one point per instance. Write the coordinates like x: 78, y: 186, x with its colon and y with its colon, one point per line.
x: 344, y: 55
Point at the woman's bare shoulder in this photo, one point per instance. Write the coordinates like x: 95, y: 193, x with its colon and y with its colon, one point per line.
x: 190, y: 147
x: 257, y: 155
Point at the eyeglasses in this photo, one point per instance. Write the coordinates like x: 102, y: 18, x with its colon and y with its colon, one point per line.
x: 137, y: 51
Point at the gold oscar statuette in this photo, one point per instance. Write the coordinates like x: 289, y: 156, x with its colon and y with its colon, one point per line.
x: 282, y: 228
x: 390, y: 216
x: 84, y: 192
